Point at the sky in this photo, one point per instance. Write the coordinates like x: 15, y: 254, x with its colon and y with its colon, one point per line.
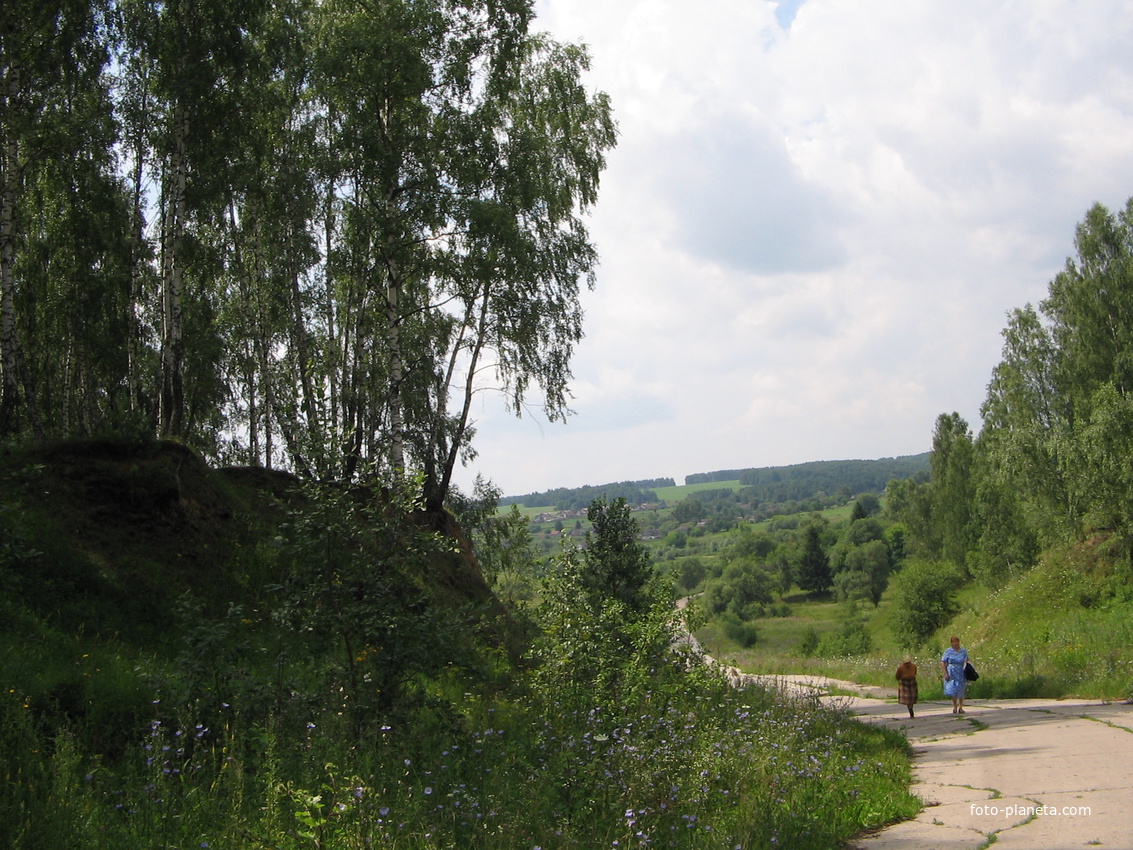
x: 815, y: 222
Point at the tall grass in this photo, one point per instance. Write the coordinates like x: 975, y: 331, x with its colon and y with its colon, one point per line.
x: 701, y: 767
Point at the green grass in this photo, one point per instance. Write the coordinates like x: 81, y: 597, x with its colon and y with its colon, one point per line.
x: 1056, y: 631
x: 524, y: 510
x: 683, y: 491
x: 695, y: 764
x: 839, y: 515
x: 195, y: 726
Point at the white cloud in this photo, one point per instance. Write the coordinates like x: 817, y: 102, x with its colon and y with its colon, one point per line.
x: 743, y: 203
x: 816, y: 220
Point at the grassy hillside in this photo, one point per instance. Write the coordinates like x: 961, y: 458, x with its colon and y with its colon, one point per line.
x: 222, y: 658
x: 1063, y: 629
x: 683, y: 491
x: 131, y: 570
x: 105, y: 536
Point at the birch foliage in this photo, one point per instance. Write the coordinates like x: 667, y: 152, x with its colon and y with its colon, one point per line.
x: 298, y: 233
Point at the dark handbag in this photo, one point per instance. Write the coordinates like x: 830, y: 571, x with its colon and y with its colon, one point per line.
x: 970, y: 672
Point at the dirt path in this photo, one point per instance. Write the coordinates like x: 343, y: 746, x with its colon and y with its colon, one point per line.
x: 1026, y: 774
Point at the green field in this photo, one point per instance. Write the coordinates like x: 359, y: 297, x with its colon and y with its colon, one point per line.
x: 683, y: 491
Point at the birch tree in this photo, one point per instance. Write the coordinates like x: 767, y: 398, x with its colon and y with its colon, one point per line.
x: 314, y: 231
x: 194, y: 56
x: 61, y: 219
x: 471, y: 150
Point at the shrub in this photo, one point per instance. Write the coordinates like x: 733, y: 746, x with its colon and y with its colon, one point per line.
x: 852, y: 640
x: 808, y: 646
x: 743, y: 632
x: 742, y: 589
x: 692, y: 572
x: 924, y: 600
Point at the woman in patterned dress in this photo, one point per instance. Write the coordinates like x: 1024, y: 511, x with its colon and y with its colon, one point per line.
x: 952, y: 664
x: 907, y: 684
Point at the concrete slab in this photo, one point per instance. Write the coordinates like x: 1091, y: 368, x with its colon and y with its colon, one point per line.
x: 1026, y: 774
x: 1033, y: 774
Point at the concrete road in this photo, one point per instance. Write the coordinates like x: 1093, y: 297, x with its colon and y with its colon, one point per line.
x: 1019, y: 774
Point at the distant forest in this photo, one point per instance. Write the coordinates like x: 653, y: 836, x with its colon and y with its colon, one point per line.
x: 575, y: 498
x: 796, y: 483
x: 805, y: 480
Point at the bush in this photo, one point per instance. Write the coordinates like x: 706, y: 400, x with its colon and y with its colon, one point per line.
x: 743, y: 632
x: 692, y: 572
x: 742, y: 589
x: 808, y: 646
x: 852, y: 640
x: 924, y: 600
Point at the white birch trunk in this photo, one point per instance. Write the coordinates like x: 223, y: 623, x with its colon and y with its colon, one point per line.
x: 9, y: 159
x: 172, y: 344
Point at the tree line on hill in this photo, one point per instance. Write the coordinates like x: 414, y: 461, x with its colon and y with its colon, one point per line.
x: 804, y: 480
x: 578, y: 498
x: 763, y: 492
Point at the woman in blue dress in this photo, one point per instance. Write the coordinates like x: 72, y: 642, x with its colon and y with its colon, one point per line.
x: 952, y: 664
